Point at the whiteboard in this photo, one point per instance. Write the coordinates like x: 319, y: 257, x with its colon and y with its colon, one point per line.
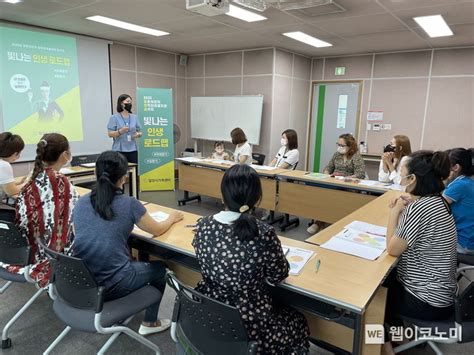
x: 213, y: 117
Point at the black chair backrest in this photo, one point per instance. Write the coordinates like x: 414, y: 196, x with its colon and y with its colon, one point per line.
x: 209, y: 326
x: 294, y: 168
x: 73, y: 282
x: 464, y: 310
x: 260, y: 158
x: 14, y: 247
x: 83, y: 159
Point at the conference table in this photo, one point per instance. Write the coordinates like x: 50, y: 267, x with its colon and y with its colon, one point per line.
x: 325, y: 198
x: 81, y: 174
x: 204, y: 177
x: 337, y: 300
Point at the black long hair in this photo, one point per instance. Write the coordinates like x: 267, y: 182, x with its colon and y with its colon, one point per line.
x: 241, y: 187
x: 430, y: 169
x: 109, y: 168
x: 48, y: 150
x: 465, y: 159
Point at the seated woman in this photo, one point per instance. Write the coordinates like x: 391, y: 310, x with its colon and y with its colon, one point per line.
x: 288, y: 155
x: 45, y: 204
x: 394, y: 156
x: 345, y: 162
x: 11, y: 145
x: 421, y: 231
x: 103, y: 221
x: 243, y: 150
x: 460, y: 194
x: 238, y: 255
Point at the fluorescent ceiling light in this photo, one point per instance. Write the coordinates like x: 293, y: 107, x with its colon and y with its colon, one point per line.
x: 303, y: 37
x: 243, y: 14
x: 12, y: 1
x: 434, y: 26
x: 127, y: 26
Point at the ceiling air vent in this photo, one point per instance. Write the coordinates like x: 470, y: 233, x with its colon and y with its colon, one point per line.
x: 308, y: 7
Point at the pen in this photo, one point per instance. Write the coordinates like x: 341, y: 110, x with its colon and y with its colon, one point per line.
x: 318, y: 264
x: 190, y: 225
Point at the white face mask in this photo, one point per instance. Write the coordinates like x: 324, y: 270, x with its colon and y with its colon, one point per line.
x: 284, y: 141
x: 342, y: 150
x: 404, y: 187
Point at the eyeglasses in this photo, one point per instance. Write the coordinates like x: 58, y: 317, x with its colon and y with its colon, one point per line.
x: 341, y: 145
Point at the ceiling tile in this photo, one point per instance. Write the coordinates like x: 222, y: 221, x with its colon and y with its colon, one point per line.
x: 361, y: 24
x: 353, y: 8
x: 396, y: 5
x: 387, y: 41
x: 195, y: 26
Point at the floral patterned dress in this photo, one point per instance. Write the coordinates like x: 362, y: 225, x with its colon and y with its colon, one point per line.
x: 43, y: 209
x: 235, y: 272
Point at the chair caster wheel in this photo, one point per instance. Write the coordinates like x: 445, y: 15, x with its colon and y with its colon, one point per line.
x: 7, y: 343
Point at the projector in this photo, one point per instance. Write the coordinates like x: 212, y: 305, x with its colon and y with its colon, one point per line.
x: 208, y: 7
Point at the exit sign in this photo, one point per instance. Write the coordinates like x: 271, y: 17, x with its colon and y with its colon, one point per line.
x: 340, y: 71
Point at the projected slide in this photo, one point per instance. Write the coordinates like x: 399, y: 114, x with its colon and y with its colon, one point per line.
x: 39, y: 85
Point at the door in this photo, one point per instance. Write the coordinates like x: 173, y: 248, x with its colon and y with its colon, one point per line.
x: 335, y: 111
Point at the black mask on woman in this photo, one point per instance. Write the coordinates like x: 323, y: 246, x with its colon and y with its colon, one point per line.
x: 128, y: 107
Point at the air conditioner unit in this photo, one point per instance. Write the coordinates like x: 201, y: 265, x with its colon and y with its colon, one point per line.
x: 208, y: 7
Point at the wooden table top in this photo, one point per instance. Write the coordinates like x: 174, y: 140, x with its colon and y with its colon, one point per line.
x: 330, y: 181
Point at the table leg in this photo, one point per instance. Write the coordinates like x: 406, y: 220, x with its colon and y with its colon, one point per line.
x: 186, y: 199
x: 272, y: 220
x: 289, y: 222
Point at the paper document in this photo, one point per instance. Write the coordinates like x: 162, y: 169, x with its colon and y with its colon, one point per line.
x: 354, y: 242
x: 157, y: 216
x: 297, y: 258
x: 262, y: 167
x: 66, y: 171
x: 368, y: 228
x: 373, y: 183
x: 88, y: 165
x: 317, y: 175
x: 190, y: 159
x: 396, y: 187
x: 219, y: 161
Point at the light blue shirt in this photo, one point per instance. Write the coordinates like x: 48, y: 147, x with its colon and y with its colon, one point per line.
x: 124, y: 142
x: 461, y: 192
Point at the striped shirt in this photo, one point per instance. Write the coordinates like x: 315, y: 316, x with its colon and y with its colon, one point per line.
x: 427, y: 268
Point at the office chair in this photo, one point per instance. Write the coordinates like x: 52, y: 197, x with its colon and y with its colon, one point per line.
x: 15, y: 250
x: 258, y: 158
x: 80, y: 303
x: 462, y: 320
x: 206, y: 326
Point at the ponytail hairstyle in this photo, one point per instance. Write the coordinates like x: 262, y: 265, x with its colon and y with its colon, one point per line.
x: 10, y: 144
x: 242, y: 191
x: 110, y: 167
x: 465, y: 159
x: 430, y: 169
x: 48, y: 150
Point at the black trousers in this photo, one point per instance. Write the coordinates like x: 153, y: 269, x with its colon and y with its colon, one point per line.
x: 132, y: 157
x: 400, y: 302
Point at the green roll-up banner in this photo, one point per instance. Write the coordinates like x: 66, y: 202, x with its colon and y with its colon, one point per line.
x: 156, y: 150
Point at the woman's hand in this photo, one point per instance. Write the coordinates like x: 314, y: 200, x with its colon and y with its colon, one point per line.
x: 176, y: 216
x: 123, y: 130
x: 137, y: 134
